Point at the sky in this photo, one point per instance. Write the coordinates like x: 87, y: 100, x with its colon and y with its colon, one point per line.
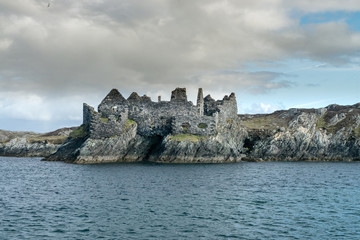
x: 273, y: 54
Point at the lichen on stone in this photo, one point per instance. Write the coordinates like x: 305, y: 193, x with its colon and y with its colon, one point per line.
x: 129, y: 123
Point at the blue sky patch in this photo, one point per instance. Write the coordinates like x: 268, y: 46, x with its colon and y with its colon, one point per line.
x: 350, y: 18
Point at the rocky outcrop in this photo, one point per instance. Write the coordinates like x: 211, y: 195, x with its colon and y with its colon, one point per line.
x: 29, y: 144
x: 226, y: 146
x: 130, y: 147
x: 328, y: 134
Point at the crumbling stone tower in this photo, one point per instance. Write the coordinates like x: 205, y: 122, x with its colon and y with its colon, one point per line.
x: 179, y: 95
x: 200, y: 102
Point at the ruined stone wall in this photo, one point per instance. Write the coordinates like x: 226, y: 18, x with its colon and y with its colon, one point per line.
x: 210, y: 106
x: 195, y: 125
x: 103, y: 127
x: 107, y: 127
x: 156, y: 118
x: 88, y: 114
x: 200, y: 102
x: 227, y: 108
x: 115, y: 109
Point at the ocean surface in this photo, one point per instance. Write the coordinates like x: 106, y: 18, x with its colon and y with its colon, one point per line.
x: 270, y: 200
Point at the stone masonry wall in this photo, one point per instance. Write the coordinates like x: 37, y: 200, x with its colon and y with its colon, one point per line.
x: 227, y: 108
x: 196, y: 125
x: 156, y: 118
x: 88, y: 114
x: 103, y: 127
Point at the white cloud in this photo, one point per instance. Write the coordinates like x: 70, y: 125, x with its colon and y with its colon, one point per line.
x: 256, y: 108
x: 27, y: 106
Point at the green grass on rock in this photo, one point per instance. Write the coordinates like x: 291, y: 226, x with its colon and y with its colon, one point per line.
x: 187, y: 137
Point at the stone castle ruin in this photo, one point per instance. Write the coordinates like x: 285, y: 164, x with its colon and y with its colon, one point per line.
x: 177, y: 116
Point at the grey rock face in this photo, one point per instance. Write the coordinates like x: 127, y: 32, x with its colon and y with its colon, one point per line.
x: 109, y: 149
x: 20, y: 147
x: 29, y: 144
x: 226, y: 146
x: 309, y: 135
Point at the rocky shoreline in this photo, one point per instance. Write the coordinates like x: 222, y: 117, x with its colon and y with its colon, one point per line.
x: 30, y: 144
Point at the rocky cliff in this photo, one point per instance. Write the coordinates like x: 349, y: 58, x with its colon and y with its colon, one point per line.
x: 226, y: 146
x: 327, y: 134
x: 331, y: 133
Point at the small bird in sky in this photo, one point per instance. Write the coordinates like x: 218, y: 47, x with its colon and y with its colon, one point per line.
x: 48, y: 4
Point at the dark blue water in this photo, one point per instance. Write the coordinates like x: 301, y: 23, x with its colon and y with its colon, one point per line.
x: 272, y: 200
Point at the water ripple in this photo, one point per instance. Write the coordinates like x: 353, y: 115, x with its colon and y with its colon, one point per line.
x: 304, y: 200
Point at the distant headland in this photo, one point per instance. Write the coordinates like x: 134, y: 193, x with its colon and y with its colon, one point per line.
x: 177, y: 131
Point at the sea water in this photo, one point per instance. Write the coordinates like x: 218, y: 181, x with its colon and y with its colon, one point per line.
x: 268, y: 200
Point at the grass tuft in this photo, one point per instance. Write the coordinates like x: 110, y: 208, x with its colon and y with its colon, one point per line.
x: 104, y: 120
x: 269, y: 122
x: 186, y: 137
x: 321, y: 123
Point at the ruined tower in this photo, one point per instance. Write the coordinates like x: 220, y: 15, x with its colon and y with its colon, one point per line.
x: 200, y: 102
x: 179, y: 95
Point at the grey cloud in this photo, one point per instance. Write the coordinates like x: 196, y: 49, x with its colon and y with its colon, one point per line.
x: 77, y: 47
x: 331, y: 42
x: 253, y: 82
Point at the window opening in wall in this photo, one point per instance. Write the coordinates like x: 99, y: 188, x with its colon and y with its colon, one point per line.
x: 202, y: 125
x: 185, y: 126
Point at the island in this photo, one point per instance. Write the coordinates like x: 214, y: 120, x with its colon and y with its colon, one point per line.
x: 138, y: 129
